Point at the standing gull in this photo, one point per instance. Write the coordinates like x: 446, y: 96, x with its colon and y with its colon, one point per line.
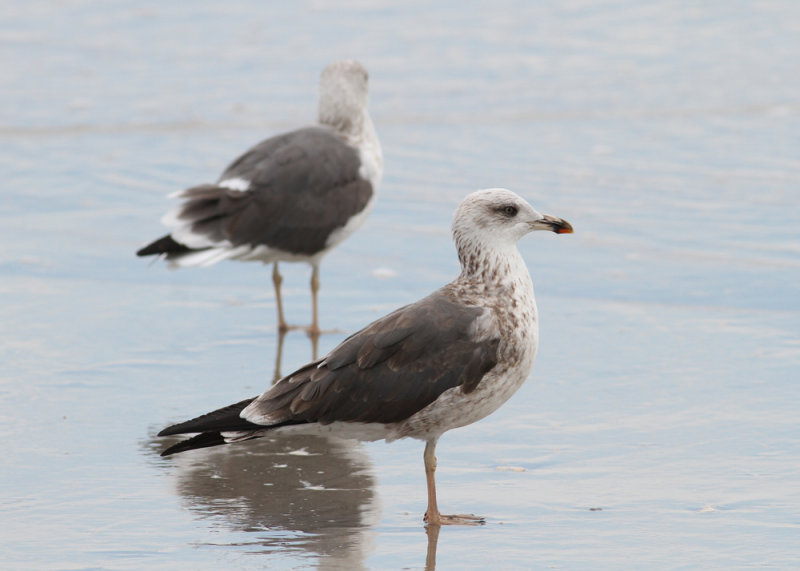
x: 290, y: 198
x: 446, y: 361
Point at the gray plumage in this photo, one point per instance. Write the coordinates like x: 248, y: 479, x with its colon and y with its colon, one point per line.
x: 292, y: 197
x: 303, y: 186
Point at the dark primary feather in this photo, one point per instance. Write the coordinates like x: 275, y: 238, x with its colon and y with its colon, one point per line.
x: 226, y: 418
x: 210, y: 426
x: 204, y: 440
x: 303, y: 185
x: 164, y: 245
x: 385, y: 373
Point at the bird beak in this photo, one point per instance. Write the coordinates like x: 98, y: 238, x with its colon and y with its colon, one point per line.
x: 557, y: 225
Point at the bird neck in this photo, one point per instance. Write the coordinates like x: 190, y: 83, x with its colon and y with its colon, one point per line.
x: 500, y: 282
x: 366, y: 140
x: 358, y: 131
x: 354, y: 126
x: 500, y: 271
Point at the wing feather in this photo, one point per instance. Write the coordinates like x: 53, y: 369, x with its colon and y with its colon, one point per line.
x: 385, y: 373
x: 388, y: 371
x: 303, y: 185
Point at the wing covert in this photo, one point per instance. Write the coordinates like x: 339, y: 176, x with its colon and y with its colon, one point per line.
x: 387, y: 371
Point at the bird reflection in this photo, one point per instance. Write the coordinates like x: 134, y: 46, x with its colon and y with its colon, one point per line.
x: 293, y: 492
x: 313, y: 337
x: 304, y: 492
x: 433, y: 539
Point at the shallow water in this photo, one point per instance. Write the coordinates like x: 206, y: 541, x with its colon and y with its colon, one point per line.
x: 659, y: 427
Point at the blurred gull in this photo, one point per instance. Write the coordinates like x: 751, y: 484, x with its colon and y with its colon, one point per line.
x: 290, y: 198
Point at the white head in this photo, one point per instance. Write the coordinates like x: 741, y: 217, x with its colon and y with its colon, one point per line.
x: 343, y: 95
x: 494, y: 220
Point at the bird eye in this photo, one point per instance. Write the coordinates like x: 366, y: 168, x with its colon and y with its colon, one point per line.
x: 509, y: 210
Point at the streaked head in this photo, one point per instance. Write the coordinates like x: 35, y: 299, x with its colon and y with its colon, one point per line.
x: 501, y: 217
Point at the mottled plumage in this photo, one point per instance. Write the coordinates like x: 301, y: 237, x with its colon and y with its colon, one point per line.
x: 445, y: 361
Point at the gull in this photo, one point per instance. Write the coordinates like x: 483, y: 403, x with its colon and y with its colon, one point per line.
x: 292, y: 197
x: 443, y: 362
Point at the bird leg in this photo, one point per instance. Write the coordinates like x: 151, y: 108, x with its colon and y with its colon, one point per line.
x: 277, y: 280
x: 279, y: 357
x: 432, y: 515
x: 314, y: 329
x: 314, y: 345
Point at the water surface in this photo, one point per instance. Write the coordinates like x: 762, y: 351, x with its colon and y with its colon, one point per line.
x: 659, y: 427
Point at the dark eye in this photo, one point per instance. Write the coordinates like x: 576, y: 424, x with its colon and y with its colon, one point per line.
x: 509, y: 210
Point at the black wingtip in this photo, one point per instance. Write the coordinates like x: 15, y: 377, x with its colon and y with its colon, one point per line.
x: 220, y: 420
x: 164, y: 245
x: 204, y: 440
x: 169, y: 431
x: 210, y: 426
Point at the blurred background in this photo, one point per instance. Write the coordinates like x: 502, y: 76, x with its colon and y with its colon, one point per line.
x: 659, y: 427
